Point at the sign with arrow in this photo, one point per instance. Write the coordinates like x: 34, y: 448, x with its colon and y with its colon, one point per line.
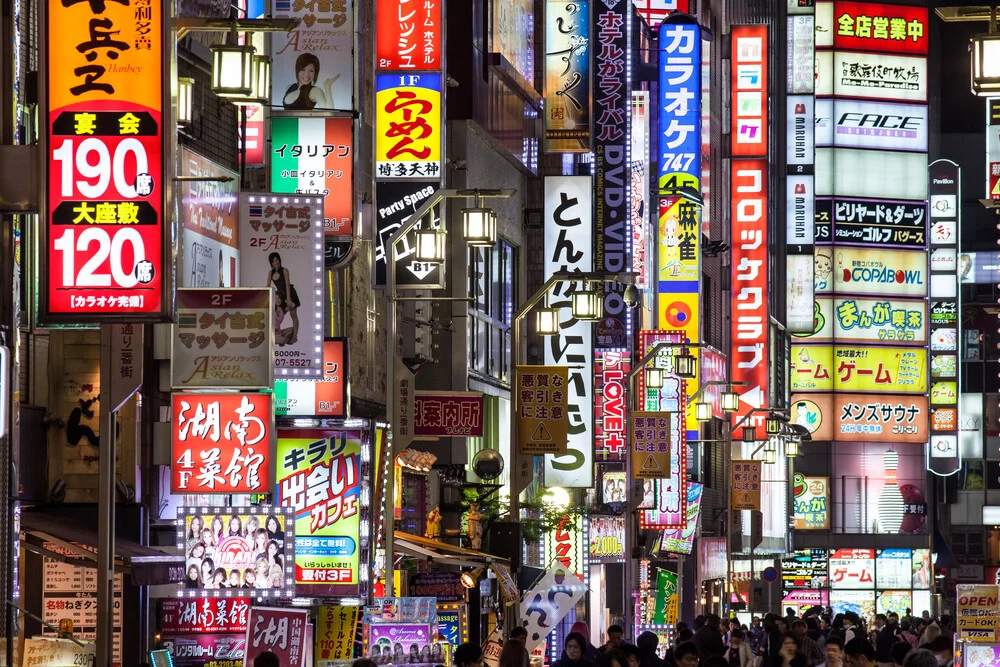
x: 745, y: 485
x: 542, y: 409
x: 395, y: 203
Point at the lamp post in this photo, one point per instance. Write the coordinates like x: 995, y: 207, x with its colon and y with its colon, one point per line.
x: 430, y: 248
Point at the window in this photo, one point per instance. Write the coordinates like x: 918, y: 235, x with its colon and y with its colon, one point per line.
x: 492, y: 288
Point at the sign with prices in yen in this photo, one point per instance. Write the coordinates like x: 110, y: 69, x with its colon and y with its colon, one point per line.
x: 542, y: 409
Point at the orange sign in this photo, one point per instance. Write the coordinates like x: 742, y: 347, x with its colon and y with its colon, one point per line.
x: 849, y: 417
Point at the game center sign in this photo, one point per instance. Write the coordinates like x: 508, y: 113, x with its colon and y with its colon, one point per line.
x: 103, y: 241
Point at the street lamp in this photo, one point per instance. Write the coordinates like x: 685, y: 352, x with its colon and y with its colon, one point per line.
x: 703, y: 411
x: 749, y: 434
x: 985, y: 51
x: 587, y: 304
x: 185, y: 94
x: 261, y: 83
x: 547, y: 321
x: 730, y: 401
x: 431, y: 245
x: 480, y: 226
x: 770, y: 455
x: 791, y: 448
x: 654, y: 378
x: 232, y: 68
x: 686, y: 365
x: 772, y: 425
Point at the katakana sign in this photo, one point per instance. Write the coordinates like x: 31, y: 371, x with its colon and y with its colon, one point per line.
x: 863, y: 222
x: 749, y: 90
x: 850, y: 417
x: 879, y: 320
x: 745, y: 480
x: 883, y: 369
x: 335, y: 631
x: 852, y: 569
x: 221, y: 443
x: 977, y: 618
x: 313, y: 68
x: 542, y: 409
x: 548, y: 601
x: 811, y: 497
x: 445, y: 414
x: 408, y: 36
x: 611, y: 369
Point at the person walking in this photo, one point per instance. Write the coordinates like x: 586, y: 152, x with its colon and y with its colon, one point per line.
x: 739, y: 654
x: 808, y: 646
x: 708, y: 639
x: 574, y: 652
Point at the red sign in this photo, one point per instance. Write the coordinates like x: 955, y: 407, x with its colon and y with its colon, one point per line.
x: 104, y: 240
x: 221, y: 443
x: 441, y: 414
x: 202, y: 615
x: 749, y: 283
x: 867, y: 26
x: 281, y: 631
x: 749, y: 79
x: 611, y: 368
x: 408, y: 36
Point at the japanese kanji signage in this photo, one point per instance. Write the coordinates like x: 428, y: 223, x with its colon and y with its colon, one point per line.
x: 326, y: 397
x: 655, y: 439
x: 865, y: 26
x: 977, y: 617
x: 567, y: 76
x: 281, y: 631
x: 335, y: 630
x: 879, y: 320
x: 126, y: 363
x: 408, y: 125
x: 54, y: 652
x: 204, y: 615
x: 811, y: 497
x: 313, y: 66
x: 236, y: 548
x: 210, y: 224
x: 408, y: 36
x: 881, y: 223
x: 403, y: 398
x: 745, y: 479
x: 222, y: 338
x: 542, y: 409
x: 749, y: 90
x: 879, y: 77
x: 315, y: 156
x: 611, y: 369
x: 850, y: 417
x: 318, y: 473
x: 852, y: 568
x: 103, y: 246
x: 281, y: 248
x: 444, y: 414
x: 221, y: 443
x: 679, y: 540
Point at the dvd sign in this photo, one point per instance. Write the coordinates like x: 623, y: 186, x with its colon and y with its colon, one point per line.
x: 893, y: 127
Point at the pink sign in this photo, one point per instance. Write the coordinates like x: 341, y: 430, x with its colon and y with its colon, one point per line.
x: 281, y: 631
x: 196, y: 650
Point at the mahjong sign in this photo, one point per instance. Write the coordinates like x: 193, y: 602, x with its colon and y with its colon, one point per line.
x: 106, y: 192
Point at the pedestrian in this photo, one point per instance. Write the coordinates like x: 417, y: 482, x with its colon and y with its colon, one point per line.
x: 514, y: 654
x: 942, y: 649
x: 898, y: 653
x: 859, y: 653
x: 724, y: 630
x: 906, y: 634
x: 519, y: 634
x: 833, y: 652
x: 708, y: 639
x: 931, y: 632
x: 772, y: 641
x: 615, y: 640
x: 756, y: 634
x: 631, y: 654
x: 851, y: 621
x: 468, y: 655
x: 574, y: 652
x: 739, y: 654
x: 686, y: 655
x: 590, y: 653
x: 616, y: 658
x: 919, y: 657
x: 808, y: 647
x: 791, y: 651
x: 266, y: 659
x: 647, y: 643
x: 885, y: 639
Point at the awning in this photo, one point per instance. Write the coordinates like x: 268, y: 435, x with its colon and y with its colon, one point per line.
x: 440, y: 552
x: 146, y: 566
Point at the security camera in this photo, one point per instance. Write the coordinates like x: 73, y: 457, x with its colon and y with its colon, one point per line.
x: 632, y: 296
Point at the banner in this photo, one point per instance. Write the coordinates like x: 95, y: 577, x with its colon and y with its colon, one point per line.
x: 279, y: 630
x: 607, y: 539
x: 104, y: 238
x: 210, y: 224
x: 204, y: 615
x: 977, y: 618
x: 318, y: 474
x: 315, y: 156
x: 281, y: 248
x: 403, y: 392
x: 681, y: 540
x: 409, y: 111
x: 745, y: 480
x: 811, y: 497
x: 666, y: 609
x: 336, y: 627
x: 567, y: 76
x: 313, y: 65
x: 547, y: 602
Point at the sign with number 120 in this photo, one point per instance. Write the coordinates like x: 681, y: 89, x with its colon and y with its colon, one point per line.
x: 106, y: 187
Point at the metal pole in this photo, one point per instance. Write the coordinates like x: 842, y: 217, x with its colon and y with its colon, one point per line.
x: 106, y: 510
x: 630, y: 518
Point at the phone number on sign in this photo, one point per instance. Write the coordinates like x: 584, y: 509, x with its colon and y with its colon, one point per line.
x: 293, y: 363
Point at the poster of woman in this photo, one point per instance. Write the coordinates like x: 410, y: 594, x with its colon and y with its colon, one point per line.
x: 313, y: 65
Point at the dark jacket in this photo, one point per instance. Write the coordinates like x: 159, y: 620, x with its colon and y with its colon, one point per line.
x: 709, y: 642
x: 884, y: 642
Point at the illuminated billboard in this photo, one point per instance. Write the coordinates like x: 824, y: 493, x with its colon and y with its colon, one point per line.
x: 858, y: 320
x: 881, y: 223
x: 862, y: 417
x: 866, y: 271
x: 879, y: 77
x: 894, y: 127
x: 811, y: 498
x: 862, y: 173
x: 880, y: 488
x: 869, y: 26
x: 749, y: 90
x: 567, y: 76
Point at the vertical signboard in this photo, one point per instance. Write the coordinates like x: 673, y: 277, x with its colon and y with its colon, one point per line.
x: 678, y: 255
x: 611, y: 369
x: 408, y: 37
x: 642, y: 250
x: 313, y: 65
x: 654, y: 437
x: 945, y: 193
x: 210, y: 220
x: 567, y: 76
x: 749, y: 91
x: 744, y: 485
x: 800, y: 212
x: 397, y: 201
x: 103, y: 243
x: 612, y: 117
x: 409, y: 112
x: 993, y: 148
x: 569, y: 247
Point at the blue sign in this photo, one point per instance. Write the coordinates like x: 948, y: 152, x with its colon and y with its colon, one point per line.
x: 680, y: 99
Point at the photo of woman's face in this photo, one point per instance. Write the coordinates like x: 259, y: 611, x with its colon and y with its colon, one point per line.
x: 307, y: 74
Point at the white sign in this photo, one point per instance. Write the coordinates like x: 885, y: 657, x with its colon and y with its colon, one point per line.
x: 824, y: 24
x: 852, y: 568
x: 800, y: 138
x: 799, y: 294
x: 824, y: 172
x: 824, y: 72
x: 870, y: 271
x: 944, y: 446
x: 50, y: 652
x: 548, y: 602
x: 569, y: 247
x: 824, y: 122
x: 126, y: 363
x: 879, y: 77
x: 800, y: 71
x: 879, y: 174
x: 893, y: 127
x: 799, y: 209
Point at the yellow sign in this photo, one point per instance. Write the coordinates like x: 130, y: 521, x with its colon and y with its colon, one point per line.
x: 656, y: 442
x: 880, y: 369
x: 408, y: 125
x: 944, y: 393
x: 811, y: 368
x: 542, y: 409
x: 745, y: 485
x: 977, y: 617
x: 335, y: 632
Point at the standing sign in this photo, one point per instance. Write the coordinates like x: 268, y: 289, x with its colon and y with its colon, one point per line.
x: 403, y: 397
x: 395, y: 202
x: 210, y: 221
x: 408, y: 125
x: 977, y: 618
x: 222, y: 339
x: 313, y: 66
x: 221, y: 443
x: 542, y: 409
x: 104, y: 238
x: 335, y: 630
x: 281, y: 248
x: 279, y: 630
x: 567, y: 76
x: 654, y: 443
x: 315, y: 156
x: 745, y: 485
x: 408, y: 37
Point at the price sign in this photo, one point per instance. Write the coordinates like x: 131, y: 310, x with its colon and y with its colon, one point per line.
x: 105, y: 179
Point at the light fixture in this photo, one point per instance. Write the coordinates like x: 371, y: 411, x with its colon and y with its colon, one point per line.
x: 654, y: 378
x: 772, y: 425
x: 791, y: 448
x: 703, y: 411
x: 685, y: 365
x: 730, y: 401
x: 480, y: 225
x: 431, y: 244
x: 185, y: 93
x: 556, y: 497
x: 261, y: 82
x: 471, y: 579
x: 547, y: 321
x: 770, y: 456
x: 233, y: 68
x: 587, y: 304
x: 985, y: 51
x: 749, y: 434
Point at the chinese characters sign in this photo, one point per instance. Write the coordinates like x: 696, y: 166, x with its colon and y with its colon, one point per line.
x: 222, y: 339
x: 445, y: 414
x: 315, y: 156
x: 750, y: 91
x: 104, y: 245
x: 335, y: 630
x: 221, y: 443
x: 567, y: 76
x: 318, y: 474
x: 811, y: 499
x: 745, y: 479
x: 976, y: 615
x: 542, y: 409
x: 657, y: 439
x: 280, y: 631
x: 313, y: 67
x: 281, y: 241
x: 408, y: 36
x: 872, y: 76
x: 879, y: 320
x: 408, y: 123
x: 885, y: 272
x: 864, y: 26
x: 611, y: 368
x: 204, y: 615
x: 326, y: 397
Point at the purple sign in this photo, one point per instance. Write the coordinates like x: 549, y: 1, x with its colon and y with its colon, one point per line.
x: 198, y: 650
x: 404, y: 644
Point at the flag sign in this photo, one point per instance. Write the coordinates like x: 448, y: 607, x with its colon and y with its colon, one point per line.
x: 652, y: 453
x: 542, y: 409
x: 745, y: 483
x: 548, y: 602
